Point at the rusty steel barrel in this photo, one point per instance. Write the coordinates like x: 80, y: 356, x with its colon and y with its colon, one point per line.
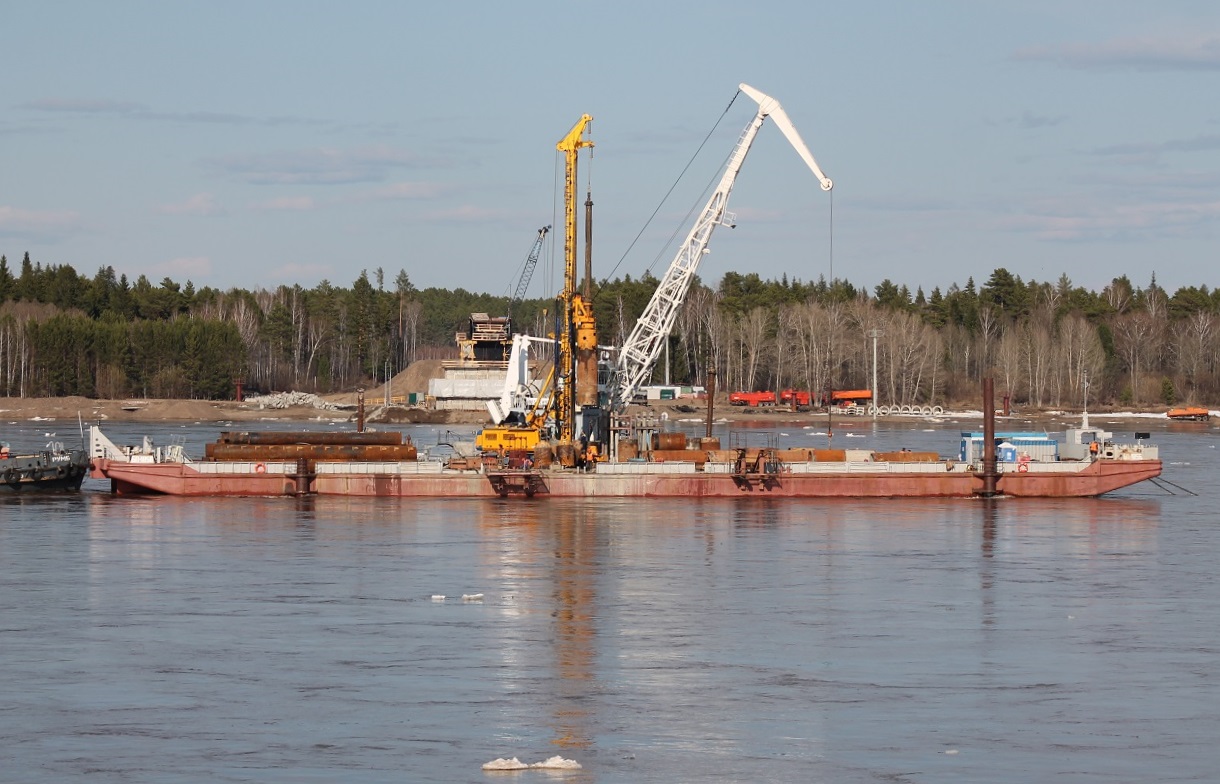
x: 565, y: 453
x: 709, y: 444
x: 281, y: 438
x: 668, y: 440
x: 543, y: 456
x: 628, y: 449
x: 331, y: 452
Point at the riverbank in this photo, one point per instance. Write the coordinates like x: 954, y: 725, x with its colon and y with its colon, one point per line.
x: 342, y: 408
x: 152, y: 410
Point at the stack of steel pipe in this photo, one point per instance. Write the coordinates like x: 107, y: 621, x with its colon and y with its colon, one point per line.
x: 286, y: 437
x: 331, y: 452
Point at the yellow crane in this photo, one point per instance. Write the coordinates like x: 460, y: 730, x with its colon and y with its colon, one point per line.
x: 518, y: 423
x: 577, y: 329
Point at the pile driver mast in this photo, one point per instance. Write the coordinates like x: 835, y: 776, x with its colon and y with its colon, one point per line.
x: 577, y: 355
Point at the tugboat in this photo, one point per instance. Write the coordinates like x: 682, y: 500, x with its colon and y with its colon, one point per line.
x: 53, y: 469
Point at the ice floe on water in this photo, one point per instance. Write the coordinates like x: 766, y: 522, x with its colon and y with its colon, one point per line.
x: 552, y: 763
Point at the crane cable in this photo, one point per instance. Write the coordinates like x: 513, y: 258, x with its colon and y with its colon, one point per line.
x: 668, y: 193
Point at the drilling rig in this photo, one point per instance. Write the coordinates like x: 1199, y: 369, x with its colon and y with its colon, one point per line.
x: 577, y: 413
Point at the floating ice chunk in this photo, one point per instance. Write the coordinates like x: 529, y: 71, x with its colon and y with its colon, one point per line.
x: 950, y: 751
x: 553, y: 763
x: 438, y: 597
x: 557, y: 763
x: 505, y: 764
x: 472, y: 597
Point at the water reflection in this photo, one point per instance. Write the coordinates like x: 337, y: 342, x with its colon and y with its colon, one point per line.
x: 652, y: 640
x: 564, y: 543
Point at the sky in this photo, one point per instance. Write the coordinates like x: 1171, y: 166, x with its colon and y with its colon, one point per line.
x: 254, y: 144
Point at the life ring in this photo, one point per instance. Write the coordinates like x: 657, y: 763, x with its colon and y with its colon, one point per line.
x: 12, y: 475
x: 1022, y: 467
x: 259, y: 468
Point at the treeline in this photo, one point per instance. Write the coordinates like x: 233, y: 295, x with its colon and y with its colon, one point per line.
x: 63, y: 333
x: 1047, y: 344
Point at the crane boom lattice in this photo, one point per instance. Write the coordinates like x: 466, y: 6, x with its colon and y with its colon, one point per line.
x: 531, y: 261
x: 639, y: 353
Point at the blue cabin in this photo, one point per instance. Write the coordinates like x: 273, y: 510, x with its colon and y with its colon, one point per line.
x: 1039, y: 446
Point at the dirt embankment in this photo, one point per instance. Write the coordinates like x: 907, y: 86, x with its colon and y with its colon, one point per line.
x: 338, y: 408
x: 13, y: 408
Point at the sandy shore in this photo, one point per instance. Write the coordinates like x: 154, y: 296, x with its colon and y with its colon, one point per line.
x: 19, y: 408
x: 60, y: 408
x: 13, y: 409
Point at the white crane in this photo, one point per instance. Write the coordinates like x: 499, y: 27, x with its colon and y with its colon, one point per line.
x: 642, y: 347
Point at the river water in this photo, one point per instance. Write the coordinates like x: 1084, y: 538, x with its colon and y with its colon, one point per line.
x: 298, y: 640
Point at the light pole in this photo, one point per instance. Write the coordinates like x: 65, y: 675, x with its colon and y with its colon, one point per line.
x: 1084, y: 390
x: 874, y: 334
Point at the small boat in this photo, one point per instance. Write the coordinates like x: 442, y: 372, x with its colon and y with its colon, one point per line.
x: 1189, y: 414
x: 53, y: 469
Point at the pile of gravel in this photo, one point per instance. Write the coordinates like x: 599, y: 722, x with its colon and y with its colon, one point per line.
x: 279, y: 400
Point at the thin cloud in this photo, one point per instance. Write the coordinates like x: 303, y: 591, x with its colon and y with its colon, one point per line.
x: 1030, y: 121
x: 905, y: 204
x: 40, y: 224
x: 184, y: 267
x: 1123, y: 222
x: 1146, y: 54
x: 82, y: 106
x: 398, y: 191
x: 199, y: 204
x: 403, y: 190
x: 322, y: 166
x: 295, y: 271
x: 465, y: 214
x: 137, y: 111
x: 286, y: 204
x: 1202, y: 143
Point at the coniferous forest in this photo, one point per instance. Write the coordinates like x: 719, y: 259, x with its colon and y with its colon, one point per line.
x: 1047, y: 345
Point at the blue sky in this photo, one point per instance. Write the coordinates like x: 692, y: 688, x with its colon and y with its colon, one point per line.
x: 257, y: 143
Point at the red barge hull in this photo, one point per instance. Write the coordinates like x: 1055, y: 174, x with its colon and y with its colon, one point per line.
x: 939, y: 480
